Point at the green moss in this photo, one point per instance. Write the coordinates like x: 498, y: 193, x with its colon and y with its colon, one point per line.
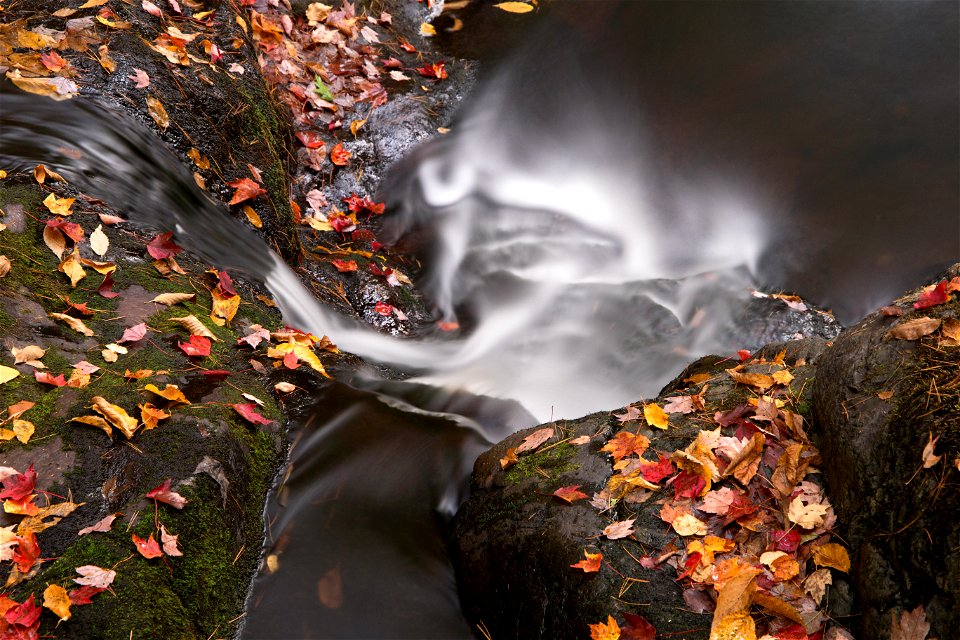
x: 552, y: 462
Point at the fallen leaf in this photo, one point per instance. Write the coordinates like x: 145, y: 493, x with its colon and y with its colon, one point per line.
x: 163, y: 493
x: 95, y: 421
x: 169, y: 542
x: 24, y: 615
x: 637, y: 628
x: 57, y: 88
x: 912, y: 625
x: 23, y: 429
x: 195, y: 346
x: 56, y: 599
x: 913, y: 329
x: 285, y: 387
x: 171, y: 393
x: 535, y: 439
x: 344, y: 266
x: 609, y: 630
x: 171, y: 299
x: 832, y: 555
x: 932, y: 296
x: 515, y: 7
x: 570, y: 494
x: 93, y: 576
x: 248, y: 412
x: 133, y: 334
x: 510, y: 459
x: 689, y: 525
x: 29, y: 355
x: 157, y: 111
x: 99, y: 241
x: 761, y: 381
x: 620, y: 529
x: 151, y: 416
x: 339, y: 156
x: 816, y: 584
x: 195, y: 327
x: 74, y: 323
x: 805, y: 515
x: 246, y: 189
x: 929, y: 459
x: 140, y: 78
x: 745, y: 464
x: 83, y: 595
x: 116, y: 416
x: 7, y: 374
x: 591, y: 564
x: 626, y: 443
x: 224, y: 307
x: 655, y: 416
x: 72, y: 267
x: 253, y: 217
x: 885, y: 395
x: 148, y: 548
x: 161, y: 246
x: 102, y: 525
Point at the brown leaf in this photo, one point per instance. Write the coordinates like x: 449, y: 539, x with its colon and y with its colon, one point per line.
x: 158, y: 112
x: 929, y: 459
x: 761, y: 381
x: 171, y: 299
x: 912, y: 625
x: 745, y: 464
x: 535, y: 439
x: 832, y: 555
x: 913, y: 329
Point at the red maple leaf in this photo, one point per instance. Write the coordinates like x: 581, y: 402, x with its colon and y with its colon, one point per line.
x: 162, y: 246
x: 310, y: 139
x: 80, y: 308
x: 290, y: 360
x: 345, y: 266
x: 248, y: 411
x: 405, y: 45
x: 787, y: 541
x: 196, y: 346
x: 657, y: 471
x: 46, y: 378
x: 435, y: 71
x: 83, y: 594
x: 383, y: 308
x: 148, y: 548
x: 339, y: 156
x: 688, y: 485
x: 23, y: 615
x: 341, y: 223
x: 225, y: 283
x: 693, y: 561
x: 570, y: 494
x: 19, y: 486
x: 70, y: 229
x: 27, y: 552
x: 163, y: 493
x: 933, y: 297
x: 637, y: 628
x: 246, y: 189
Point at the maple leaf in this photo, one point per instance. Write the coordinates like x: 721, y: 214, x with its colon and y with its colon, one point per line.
x: 626, y: 443
x: 683, y: 404
x: 248, y: 412
x: 195, y: 346
x: 535, y: 439
x: 46, y: 378
x: 161, y: 246
x: 655, y: 416
x: 637, y: 628
x: 57, y: 600
x: 59, y: 206
x: 148, y: 548
x: 151, y: 416
x: 608, y: 630
x: 246, y: 189
x: 688, y: 485
x: 83, y: 595
x: 657, y: 471
x: 255, y: 336
x: 932, y: 296
x: 19, y: 485
x: 163, y: 493
x: 94, y: 576
x: 786, y: 540
x: 434, y: 71
x: 169, y: 542
x: 27, y: 553
x: 72, y: 267
x: 339, y: 156
x: 570, y: 494
x: 620, y: 529
x: 912, y: 625
x: 687, y: 524
x: 344, y: 266
x: 101, y: 525
x: 806, y: 515
x: 591, y: 564
x: 23, y: 615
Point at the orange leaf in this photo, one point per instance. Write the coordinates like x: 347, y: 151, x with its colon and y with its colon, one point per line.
x: 148, y: 548
x: 246, y: 189
x: 570, y: 494
x: 605, y: 631
x: 339, y: 156
x: 832, y: 555
x: 626, y: 443
x: 591, y: 564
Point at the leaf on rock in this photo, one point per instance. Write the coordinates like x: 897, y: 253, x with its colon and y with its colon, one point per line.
x: 45, y: 378
x: 57, y: 88
x: 816, y: 584
x: 687, y: 524
x: 591, y: 564
x: 161, y: 246
x: 339, y: 156
x: 246, y: 189
x: 55, y: 240
x: 101, y: 525
x: 195, y: 327
x: 171, y: 392
x: 344, y: 266
x: 83, y: 595
x: 7, y: 373
x: 17, y: 486
x: 832, y: 555
x: 99, y: 241
x: 535, y: 439
x: 59, y: 206
x: 626, y: 443
x: 95, y: 421
x: 163, y: 493
x: 248, y: 412
x: 73, y: 268
x: 116, y: 416
x: 515, y: 7
x: 148, y: 548
x: 744, y: 466
x: 655, y: 416
x: 608, y: 630
x: 94, y: 576
x: 169, y: 542
x: 74, y: 323
x: 932, y: 296
x: 23, y: 430
x: 224, y: 307
x: 255, y: 336
x: 929, y: 459
x: 620, y: 529
x: 29, y: 355
x: 157, y: 112
x: 808, y: 516
x: 57, y: 600
x: 195, y: 346
x: 912, y: 625
x: 151, y: 416
x: 570, y: 494
x: 171, y: 299
x: 913, y: 329
x: 761, y: 381
x: 133, y: 334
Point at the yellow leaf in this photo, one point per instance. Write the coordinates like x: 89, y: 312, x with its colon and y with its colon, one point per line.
x: 157, y: 112
x: 33, y: 40
x: 47, y: 517
x: 99, y: 241
x: 304, y: 354
x: 116, y: 416
x: 736, y: 626
x: 57, y: 88
x: 832, y: 555
x: 202, y: 162
x: 105, y: 60
x: 72, y: 268
x: 56, y: 599
x: 78, y: 379
x: 59, y: 206
x: 355, y: 126
x: 42, y: 172
x: 782, y: 377
x: 252, y: 216
x: 89, y: 4
x: 55, y: 240
x: 515, y: 7
x: 4, y: 265
x: 427, y: 30
x: 23, y: 429
x: 103, y: 268
x: 171, y: 299
x: 761, y: 381
x: 151, y: 416
x: 655, y: 416
x: 689, y: 525
x: 609, y: 630
x: 224, y: 307
x: 171, y: 392
x: 95, y: 421
x: 74, y: 323
x: 195, y: 327
x: 7, y: 374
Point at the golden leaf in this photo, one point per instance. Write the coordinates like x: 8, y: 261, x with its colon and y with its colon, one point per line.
x: 55, y: 240
x: 252, y: 216
x: 832, y: 555
x: 609, y: 630
x: 171, y: 392
x: 515, y: 7
x: 105, y: 60
x: 59, y: 206
x: 23, y: 429
x: 95, y: 421
x: 5, y: 265
x: 7, y: 374
x: 47, y: 517
x: 224, y: 307
x: 761, y: 381
x: 151, y: 416
x: 689, y: 525
x: 56, y: 599
x: 57, y: 88
x: 72, y: 268
x: 42, y: 172
x: 735, y: 626
x: 778, y: 606
x: 655, y: 416
x: 116, y: 416
x: 158, y: 112
x: 74, y: 323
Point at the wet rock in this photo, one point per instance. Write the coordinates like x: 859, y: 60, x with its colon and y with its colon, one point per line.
x: 900, y: 518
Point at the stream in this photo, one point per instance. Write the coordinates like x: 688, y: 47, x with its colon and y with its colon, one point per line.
x: 614, y: 191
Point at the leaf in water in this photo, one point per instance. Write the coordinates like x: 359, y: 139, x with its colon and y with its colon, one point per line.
x: 99, y: 241
x: 330, y: 590
x: 158, y: 112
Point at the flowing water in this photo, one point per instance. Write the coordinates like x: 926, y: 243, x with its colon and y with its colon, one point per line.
x: 598, y: 217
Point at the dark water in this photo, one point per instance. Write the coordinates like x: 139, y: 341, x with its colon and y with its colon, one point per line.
x: 630, y: 168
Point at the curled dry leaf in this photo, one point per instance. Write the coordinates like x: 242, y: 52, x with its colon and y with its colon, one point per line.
x: 913, y: 329
x: 285, y: 387
x: 74, y: 323
x: 5, y: 265
x: 620, y: 529
x: 29, y: 355
x: 171, y: 393
x: 535, y: 439
x: 195, y: 327
x: 171, y: 299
